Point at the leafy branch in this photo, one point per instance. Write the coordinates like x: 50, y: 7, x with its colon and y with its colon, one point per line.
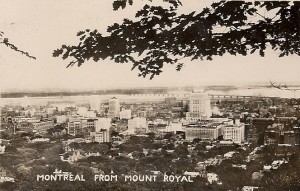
x: 6, y: 42
x: 161, y: 36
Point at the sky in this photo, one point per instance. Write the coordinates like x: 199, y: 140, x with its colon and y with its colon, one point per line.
x: 41, y: 26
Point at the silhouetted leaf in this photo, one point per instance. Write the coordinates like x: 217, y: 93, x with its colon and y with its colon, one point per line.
x: 159, y: 35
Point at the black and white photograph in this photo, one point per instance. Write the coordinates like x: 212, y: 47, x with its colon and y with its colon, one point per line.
x: 149, y: 95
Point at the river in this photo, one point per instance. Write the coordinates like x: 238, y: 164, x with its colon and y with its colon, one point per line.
x: 84, y: 99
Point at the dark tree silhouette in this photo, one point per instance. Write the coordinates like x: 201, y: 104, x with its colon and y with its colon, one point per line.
x: 6, y: 42
x: 160, y: 35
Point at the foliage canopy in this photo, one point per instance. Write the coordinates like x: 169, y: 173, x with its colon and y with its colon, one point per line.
x: 160, y: 35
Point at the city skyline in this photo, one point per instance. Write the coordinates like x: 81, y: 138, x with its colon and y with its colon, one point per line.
x: 228, y: 120
x: 211, y: 143
x: 25, y: 26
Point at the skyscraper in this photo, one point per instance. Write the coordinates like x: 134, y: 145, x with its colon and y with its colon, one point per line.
x: 137, y: 125
x: 102, y: 123
x: 114, y: 107
x: 95, y: 102
x: 199, y: 106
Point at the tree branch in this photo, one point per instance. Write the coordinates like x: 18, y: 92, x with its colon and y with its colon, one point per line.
x: 6, y: 42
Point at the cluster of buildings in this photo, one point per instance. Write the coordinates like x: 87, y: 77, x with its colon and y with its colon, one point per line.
x: 278, y: 134
x: 93, y: 129
x: 94, y: 121
x: 211, y: 133
x: 4, y: 177
x: 193, y: 117
x: 201, y: 124
x: 226, y: 129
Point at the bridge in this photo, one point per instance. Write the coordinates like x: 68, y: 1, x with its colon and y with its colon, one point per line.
x: 211, y: 96
x: 160, y: 95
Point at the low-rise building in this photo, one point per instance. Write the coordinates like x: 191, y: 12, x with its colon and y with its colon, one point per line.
x: 2, y: 149
x: 235, y: 132
x: 74, y: 127
x: 257, y: 175
x: 191, y: 174
x: 240, y: 166
x: 203, y: 130
x: 212, y: 177
x: 250, y: 188
x: 43, y: 126
x: 40, y: 140
x: 229, y: 155
x: 4, y: 177
x: 101, y: 136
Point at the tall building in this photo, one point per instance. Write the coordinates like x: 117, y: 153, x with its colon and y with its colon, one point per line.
x: 234, y: 132
x: 61, y: 119
x: 125, y: 114
x: 102, y: 123
x: 95, y: 103
x: 101, y: 136
x: 114, y: 107
x: 75, y: 127
x: 102, y: 130
x: 82, y: 111
x: 25, y: 102
x: 137, y: 125
x: 199, y: 106
x: 90, y: 114
x: 88, y: 124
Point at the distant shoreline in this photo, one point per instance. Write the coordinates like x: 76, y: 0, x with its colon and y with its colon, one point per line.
x: 123, y: 91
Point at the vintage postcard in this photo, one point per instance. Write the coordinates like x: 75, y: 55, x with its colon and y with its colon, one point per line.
x: 149, y: 95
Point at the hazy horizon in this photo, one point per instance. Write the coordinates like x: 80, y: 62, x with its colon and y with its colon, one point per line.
x: 242, y: 86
